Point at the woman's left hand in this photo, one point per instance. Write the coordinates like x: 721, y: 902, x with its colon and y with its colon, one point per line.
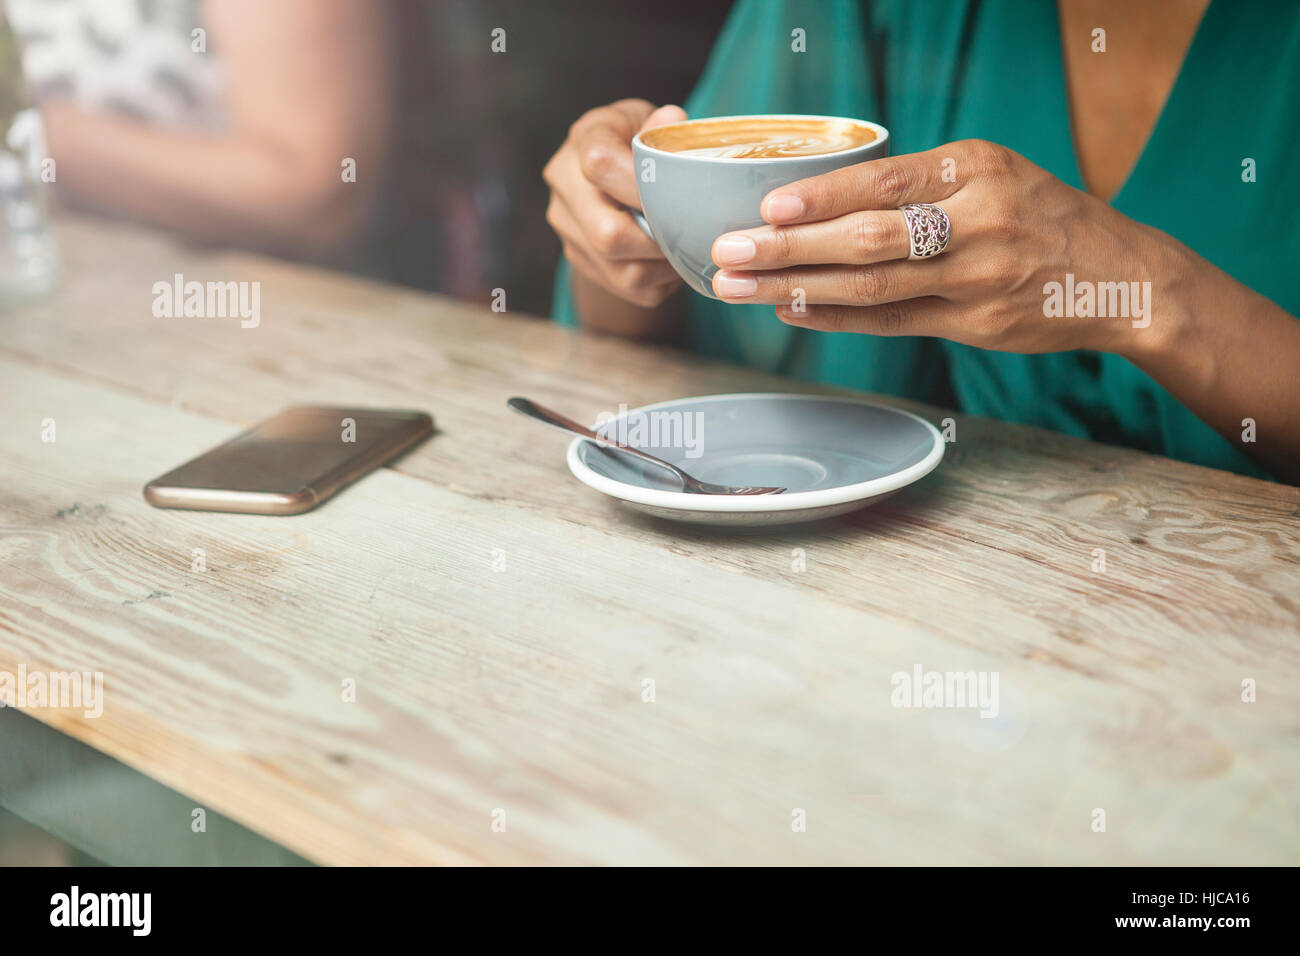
x: 841, y: 239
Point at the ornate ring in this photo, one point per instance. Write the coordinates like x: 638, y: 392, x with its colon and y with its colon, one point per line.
x: 928, y: 229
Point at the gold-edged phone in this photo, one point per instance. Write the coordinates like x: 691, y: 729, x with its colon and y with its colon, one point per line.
x: 290, y: 463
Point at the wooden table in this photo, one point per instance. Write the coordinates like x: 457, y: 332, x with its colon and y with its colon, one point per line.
x: 500, y: 620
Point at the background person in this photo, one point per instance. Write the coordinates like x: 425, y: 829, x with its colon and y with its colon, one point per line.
x: 236, y: 134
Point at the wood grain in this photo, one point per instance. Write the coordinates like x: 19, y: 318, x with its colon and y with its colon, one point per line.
x: 521, y: 689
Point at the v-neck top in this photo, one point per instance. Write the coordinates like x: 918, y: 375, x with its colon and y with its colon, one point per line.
x: 1215, y: 173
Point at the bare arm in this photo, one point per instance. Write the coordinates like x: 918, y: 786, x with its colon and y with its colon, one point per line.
x: 602, y: 311
x: 308, y: 85
x: 1230, y: 354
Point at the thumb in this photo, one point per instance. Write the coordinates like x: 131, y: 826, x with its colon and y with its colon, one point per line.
x: 663, y: 116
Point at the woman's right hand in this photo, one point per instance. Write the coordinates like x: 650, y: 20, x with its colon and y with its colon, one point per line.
x: 593, y: 180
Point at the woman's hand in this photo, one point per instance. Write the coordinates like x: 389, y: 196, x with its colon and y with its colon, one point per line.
x: 592, y: 182
x: 841, y: 239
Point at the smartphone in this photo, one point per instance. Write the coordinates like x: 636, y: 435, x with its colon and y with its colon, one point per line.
x: 290, y: 463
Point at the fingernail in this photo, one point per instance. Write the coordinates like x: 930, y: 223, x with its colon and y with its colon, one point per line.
x: 735, y: 249
x: 783, y: 208
x: 734, y: 285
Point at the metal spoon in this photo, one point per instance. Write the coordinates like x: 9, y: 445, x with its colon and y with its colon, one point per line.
x: 689, y: 485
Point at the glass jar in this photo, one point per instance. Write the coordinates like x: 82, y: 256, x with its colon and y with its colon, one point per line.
x: 29, y: 254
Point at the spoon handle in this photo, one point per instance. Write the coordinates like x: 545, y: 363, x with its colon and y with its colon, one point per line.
x: 530, y: 408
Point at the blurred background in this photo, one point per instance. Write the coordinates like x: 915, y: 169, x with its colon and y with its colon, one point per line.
x: 509, y: 114
x: 231, y: 135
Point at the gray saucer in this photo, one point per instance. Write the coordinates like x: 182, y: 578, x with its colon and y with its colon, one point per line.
x: 833, y: 455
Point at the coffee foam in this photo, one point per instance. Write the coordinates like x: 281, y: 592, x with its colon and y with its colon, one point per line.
x: 760, y: 137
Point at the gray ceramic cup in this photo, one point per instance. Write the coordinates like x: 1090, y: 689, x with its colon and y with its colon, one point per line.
x: 688, y: 201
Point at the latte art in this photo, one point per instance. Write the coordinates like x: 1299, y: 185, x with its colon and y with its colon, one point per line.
x: 760, y: 137
x: 774, y: 147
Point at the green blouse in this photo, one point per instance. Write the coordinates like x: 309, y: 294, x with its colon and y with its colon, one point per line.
x: 934, y: 72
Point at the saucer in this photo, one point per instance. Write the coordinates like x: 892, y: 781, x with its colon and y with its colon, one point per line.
x: 832, y: 455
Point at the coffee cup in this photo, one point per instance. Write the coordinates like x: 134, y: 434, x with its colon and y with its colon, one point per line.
x: 704, y: 177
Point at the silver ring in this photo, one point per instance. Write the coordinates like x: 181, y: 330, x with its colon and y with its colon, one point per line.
x: 928, y: 229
